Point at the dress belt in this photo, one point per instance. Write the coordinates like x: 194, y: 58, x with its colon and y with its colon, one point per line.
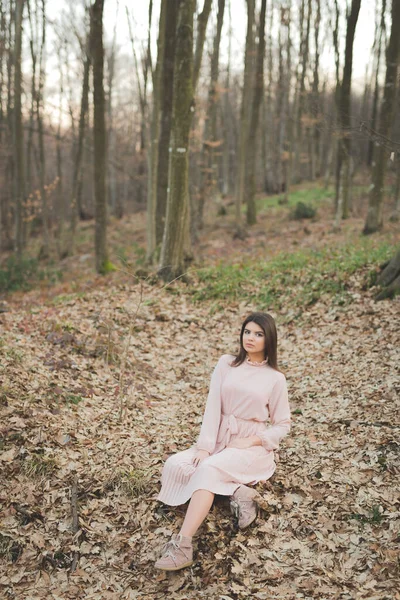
x: 233, y: 424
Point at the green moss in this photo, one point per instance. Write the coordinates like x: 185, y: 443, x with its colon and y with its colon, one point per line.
x: 107, y: 267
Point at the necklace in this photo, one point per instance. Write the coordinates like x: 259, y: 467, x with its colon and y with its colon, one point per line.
x: 257, y: 364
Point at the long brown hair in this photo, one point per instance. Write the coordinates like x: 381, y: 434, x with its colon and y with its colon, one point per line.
x: 267, y: 324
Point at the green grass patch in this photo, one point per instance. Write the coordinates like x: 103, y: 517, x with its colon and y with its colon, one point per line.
x: 68, y: 298
x: 38, y: 465
x: 313, y: 196
x: 133, y: 482
x: 374, y: 518
x: 24, y: 273
x: 291, y: 280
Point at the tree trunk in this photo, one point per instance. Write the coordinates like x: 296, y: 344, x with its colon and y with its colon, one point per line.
x: 42, y: 156
x: 99, y: 131
x: 111, y: 146
x: 209, y: 174
x: 76, y: 204
x: 19, y: 174
x: 171, y: 19
x: 154, y: 140
x: 202, y: 21
x: 343, y: 168
x: 375, y: 100
x: 244, y: 112
x: 389, y: 279
x: 172, y: 263
x: 255, y: 111
x: 304, y: 52
x: 374, y: 219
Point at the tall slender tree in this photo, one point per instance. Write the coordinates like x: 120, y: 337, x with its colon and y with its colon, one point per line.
x: 172, y: 258
x: 99, y: 130
x: 154, y: 138
x: 245, y: 111
x: 344, y: 110
x: 166, y: 91
x: 253, y: 125
x: 19, y: 172
x: 374, y: 219
x: 209, y: 174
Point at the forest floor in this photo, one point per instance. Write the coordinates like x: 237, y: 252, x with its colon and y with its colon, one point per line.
x: 82, y: 448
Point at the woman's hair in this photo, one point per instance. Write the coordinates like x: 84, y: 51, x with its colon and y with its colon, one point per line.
x: 267, y: 324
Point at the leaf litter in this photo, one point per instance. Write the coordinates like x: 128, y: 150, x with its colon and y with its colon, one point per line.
x: 329, y: 525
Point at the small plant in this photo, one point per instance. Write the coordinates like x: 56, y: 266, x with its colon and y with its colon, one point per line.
x: 9, y: 549
x: 21, y: 273
x: 15, y: 356
x: 374, y: 518
x: 73, y: 399
x: 38, y: 465
x: 133, y: 482
x: 303, y: 211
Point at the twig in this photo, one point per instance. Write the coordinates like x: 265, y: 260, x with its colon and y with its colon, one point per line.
x: 348, y: 422
x: 75, y: 518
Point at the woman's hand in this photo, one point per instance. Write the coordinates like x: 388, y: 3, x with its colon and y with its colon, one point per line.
x: 200, y: 456
x: 241, y: 443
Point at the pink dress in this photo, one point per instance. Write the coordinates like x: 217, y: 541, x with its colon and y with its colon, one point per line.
x: 239, y: 402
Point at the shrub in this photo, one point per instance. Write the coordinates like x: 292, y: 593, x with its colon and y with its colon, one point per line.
x: 303, y: 211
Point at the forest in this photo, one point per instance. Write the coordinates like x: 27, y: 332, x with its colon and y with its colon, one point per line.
x: 168, y: 167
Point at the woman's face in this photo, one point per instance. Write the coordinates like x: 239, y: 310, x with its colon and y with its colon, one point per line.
x: 253, y: 338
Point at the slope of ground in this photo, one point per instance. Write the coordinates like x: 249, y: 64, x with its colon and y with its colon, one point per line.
x: 81, y: 447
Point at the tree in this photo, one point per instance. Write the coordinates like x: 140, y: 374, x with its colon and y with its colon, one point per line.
x: 344, y: 109
x: 374, y: 219
x: 166, y: 91
x: 171, y: 262
x: 245, y: 111
x: 255, y: 110
x: 99, y: 130
x: 209, y: 173
x: 154, y: 139
x: 19, y: 173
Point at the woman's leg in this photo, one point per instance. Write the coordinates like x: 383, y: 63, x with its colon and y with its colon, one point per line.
x: 199, y: 507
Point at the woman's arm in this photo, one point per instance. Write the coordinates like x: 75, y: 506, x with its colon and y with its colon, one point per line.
x: 279, y: 412
x: 212, y: 414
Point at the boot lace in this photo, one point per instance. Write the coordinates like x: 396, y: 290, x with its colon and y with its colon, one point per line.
x: 171, y: 547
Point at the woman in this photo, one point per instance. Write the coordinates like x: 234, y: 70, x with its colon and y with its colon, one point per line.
x: 235, y: 447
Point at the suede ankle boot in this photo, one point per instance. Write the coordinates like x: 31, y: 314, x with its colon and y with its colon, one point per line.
x: 243, y: 505
x: 176, y: 554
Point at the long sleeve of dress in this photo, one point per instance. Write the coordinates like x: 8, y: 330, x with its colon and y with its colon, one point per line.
x: 212, y: 414
x: 279, y: 412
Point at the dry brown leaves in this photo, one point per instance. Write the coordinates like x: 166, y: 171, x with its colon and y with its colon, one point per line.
x: 331, y: 528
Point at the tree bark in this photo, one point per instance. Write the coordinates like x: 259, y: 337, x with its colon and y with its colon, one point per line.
x: 209, y: 174
x: 99, y: 130
x: 389, y: 279
x: 244, y: 112
x: 154, y: 140
x: 374, y: 115
x: 171, y: 19
x: 19, y: 173
x: 200, y: 38
x: 42, y: 156
x: 344, y: 109
x: 76, y: 204
x: 172, y: 262
x: 374, y: 219
x: 250, y: 190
